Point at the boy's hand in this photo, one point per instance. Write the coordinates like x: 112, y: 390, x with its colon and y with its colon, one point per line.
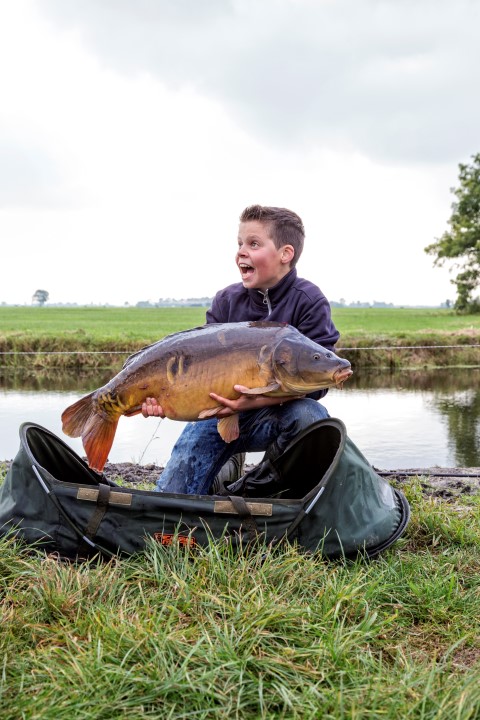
x: 248, y: 402
x: 151, y: 408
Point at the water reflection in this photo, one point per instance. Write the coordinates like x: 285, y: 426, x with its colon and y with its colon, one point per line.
x: 462, y: 412
x: 455, y: 397
x: 36, y: 381
x: 407, y: 419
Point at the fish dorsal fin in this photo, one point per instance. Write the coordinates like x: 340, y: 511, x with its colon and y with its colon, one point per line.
x: 136, y: 355
x: 262, y: 390
x: 228, y: 428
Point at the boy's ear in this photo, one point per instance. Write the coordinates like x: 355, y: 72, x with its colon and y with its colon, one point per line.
x: 288, y: 254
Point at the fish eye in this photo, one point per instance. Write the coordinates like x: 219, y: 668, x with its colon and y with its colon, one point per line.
x: 317, y: 356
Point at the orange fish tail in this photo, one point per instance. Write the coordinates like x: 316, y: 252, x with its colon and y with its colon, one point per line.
x: 98, y: 440
x: 77, y: 416
x: 97, y: 430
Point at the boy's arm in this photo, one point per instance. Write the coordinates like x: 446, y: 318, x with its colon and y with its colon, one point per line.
x: 216, y: 313
x: 316, y: 323
x: 151, y: 408
x: 248, y: 402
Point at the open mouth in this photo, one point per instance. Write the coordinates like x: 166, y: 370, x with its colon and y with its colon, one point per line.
x: 340, y: 376
x: 245, y: 270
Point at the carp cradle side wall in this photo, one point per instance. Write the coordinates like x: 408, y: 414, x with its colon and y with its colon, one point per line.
x: 321, y: 492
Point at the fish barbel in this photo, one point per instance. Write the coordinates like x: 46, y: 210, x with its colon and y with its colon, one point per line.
x: 182, y: 369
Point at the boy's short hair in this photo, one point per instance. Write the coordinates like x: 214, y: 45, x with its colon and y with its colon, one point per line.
x: 285, y: 226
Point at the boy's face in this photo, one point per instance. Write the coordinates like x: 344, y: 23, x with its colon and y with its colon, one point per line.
x: 261, y: 264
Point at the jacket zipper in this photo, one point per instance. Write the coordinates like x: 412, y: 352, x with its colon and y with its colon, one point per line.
x: 266, y: 301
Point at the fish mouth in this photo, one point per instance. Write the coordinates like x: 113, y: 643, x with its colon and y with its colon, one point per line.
x: 304, y: 388
x: 340, y: 376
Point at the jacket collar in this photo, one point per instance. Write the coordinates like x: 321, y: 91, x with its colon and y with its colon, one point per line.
x: 275, y: 293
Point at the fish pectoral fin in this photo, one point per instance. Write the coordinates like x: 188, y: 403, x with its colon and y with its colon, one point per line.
x: 211, y: 412
x: 262, y: 390
x: 133, y: 411
x: 228, y: 428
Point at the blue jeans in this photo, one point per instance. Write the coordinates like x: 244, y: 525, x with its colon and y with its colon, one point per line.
x: 200, y: 452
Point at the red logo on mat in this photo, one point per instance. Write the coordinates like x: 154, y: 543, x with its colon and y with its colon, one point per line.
x: 167, y: 540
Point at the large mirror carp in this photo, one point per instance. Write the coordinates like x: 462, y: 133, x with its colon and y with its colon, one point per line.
x: 182, y: 369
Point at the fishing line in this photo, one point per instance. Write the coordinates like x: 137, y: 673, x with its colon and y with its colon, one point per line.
x: 150, y: 441
x: 411, y: 347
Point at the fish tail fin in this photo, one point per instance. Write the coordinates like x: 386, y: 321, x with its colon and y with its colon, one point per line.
x: 97, y: 430
x: 75, y: 417
x: 98, y: 440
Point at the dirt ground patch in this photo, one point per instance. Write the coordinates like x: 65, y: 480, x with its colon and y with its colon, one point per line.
x: 132, y: 473
x: 439, y: 482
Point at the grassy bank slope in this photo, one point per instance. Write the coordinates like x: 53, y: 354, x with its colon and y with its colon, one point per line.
x: 84, y: 331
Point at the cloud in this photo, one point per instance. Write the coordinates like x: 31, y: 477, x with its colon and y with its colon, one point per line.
x: 123, y: 169
x: 29, y: 177
x: 390, y: 79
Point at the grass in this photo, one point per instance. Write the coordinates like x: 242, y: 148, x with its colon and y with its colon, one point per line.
x: 394, y: 322
x: 149, y: 324
x: 214, y: 634
x: 91, y: 337
x: 98, y: 324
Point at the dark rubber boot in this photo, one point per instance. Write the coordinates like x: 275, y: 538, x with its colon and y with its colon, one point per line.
x: 230, y: 473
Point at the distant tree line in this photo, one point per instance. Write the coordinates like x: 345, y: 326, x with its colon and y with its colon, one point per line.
x: 174, y: 302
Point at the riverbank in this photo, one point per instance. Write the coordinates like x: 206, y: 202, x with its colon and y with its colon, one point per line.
x: 94, y: 338
x: 412, y: 352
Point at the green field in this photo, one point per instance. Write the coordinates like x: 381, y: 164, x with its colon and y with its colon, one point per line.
x: 88, y: 330
x: 149, y: 324
x: 108, y: 325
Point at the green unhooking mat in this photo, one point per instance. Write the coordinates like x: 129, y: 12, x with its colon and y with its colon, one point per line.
x: 321, y: 493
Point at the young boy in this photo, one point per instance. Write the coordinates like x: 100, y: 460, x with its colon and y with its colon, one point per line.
x: 270, y: 242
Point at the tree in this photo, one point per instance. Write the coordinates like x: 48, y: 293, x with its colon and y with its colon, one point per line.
x: 40, y: 297
x: 462, y: 240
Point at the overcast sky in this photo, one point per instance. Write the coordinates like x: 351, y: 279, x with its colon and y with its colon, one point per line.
x: 134, y: 132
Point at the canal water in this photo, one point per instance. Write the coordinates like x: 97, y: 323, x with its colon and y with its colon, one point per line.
x: 414, y: 419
